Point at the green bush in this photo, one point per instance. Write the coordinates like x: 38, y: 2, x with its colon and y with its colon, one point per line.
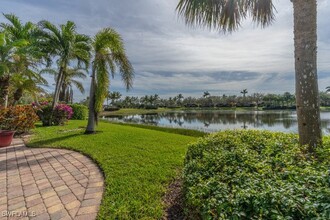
x: 111, y: 108
x: 80, y: 112
x: 256, y: 175
x: 151, y: 107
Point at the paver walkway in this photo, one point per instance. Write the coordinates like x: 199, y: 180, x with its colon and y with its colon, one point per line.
x: 42, y: 183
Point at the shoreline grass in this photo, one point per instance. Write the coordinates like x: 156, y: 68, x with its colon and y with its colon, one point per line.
x: 133, y: 111
x: 137, y: 162
x: 137, y: 111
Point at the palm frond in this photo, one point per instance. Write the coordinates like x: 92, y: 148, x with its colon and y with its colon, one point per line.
x: 79, y: 85
x: 14, y: 20
x: 126, y: 69
x: 48, y: 71
x: 54, y: 31
x: 78, y: 73
x: 102, y: 83
x: 2, y: 39
x: 225, y: 15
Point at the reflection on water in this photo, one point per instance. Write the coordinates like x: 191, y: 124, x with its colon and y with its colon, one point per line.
x: 221, y: 120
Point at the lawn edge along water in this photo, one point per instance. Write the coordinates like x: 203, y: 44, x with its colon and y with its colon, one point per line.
x: 180, y: 131
x: 138, y: 163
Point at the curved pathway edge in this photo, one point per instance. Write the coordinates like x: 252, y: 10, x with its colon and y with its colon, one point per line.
x: 48, y: 183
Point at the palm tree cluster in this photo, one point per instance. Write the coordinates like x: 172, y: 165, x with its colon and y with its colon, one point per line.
x: 20, y: 56
x: 27, y: 51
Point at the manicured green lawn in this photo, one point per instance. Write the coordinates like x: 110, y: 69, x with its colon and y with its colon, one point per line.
x: 138, y: 163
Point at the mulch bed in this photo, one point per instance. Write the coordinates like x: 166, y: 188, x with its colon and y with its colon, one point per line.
x: 173, y: 201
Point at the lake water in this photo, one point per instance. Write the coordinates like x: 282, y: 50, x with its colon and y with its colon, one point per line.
x: 216, y: 120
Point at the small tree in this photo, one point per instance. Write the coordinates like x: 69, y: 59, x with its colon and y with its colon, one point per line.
x: 109, y: 53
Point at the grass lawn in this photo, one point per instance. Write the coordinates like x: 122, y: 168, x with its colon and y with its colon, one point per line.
x: 138, y: 163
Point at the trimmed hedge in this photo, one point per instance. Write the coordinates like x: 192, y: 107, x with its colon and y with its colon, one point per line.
x: 256, y: 175
x: 80, y: 112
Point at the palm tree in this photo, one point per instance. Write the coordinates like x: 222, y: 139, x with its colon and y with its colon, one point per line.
x: 227, y: 15
x: 179, y: 98
x: 206, y: 94
x: 109, y: 53
x: 108, y: 96
x: 244, y: 92
x: 66, y: 93
x: 327, y: 89
x: 7, y: 54
x: 69, y: 80
x: 28, y: 81
x: 145, y: 100
x: 114, y: 96
x: 64, y: 45
x: 154, y: 99
x: 19, y: 52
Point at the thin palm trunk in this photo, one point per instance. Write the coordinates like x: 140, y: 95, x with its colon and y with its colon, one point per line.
x: 17, y: 95
x: 91, y: 114
x: 4, y: 91
x: 307, y: 98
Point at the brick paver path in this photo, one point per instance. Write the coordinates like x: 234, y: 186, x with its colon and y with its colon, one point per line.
x: 42, y: 183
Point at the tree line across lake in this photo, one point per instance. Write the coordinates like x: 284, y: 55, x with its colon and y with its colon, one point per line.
x: 267, y: 101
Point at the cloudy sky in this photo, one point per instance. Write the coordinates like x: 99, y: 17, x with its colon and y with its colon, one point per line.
x: 170, y: 58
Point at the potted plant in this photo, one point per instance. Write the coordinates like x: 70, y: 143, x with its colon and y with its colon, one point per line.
x: 7, y: 129
x: 6, y: 137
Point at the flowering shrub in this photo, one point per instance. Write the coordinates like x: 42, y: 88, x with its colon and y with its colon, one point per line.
x: 61, y: 114
x: 20, y: 118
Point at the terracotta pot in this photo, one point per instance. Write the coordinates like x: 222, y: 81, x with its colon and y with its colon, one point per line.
x: 6, y: 137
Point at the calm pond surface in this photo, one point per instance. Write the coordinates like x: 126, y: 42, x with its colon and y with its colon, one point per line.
x: 216, y: 120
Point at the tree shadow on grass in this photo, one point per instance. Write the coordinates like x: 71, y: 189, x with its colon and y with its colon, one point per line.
x: 47, y: 142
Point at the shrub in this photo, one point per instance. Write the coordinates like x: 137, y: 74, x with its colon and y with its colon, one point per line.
x: 151, y: 107
x: 111, y: 108
x: 20, y: 118
x: 80, y: 112
x: 61, y: 114
x: 256, y: 175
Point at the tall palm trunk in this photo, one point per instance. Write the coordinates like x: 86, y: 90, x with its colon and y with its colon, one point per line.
x: 62, y: 95
x: 91, y: 114
x: 58, y: 86
x: 307, y: 98
x: 4, y: 90
x: 71, y: 95
x: 59, y: 82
